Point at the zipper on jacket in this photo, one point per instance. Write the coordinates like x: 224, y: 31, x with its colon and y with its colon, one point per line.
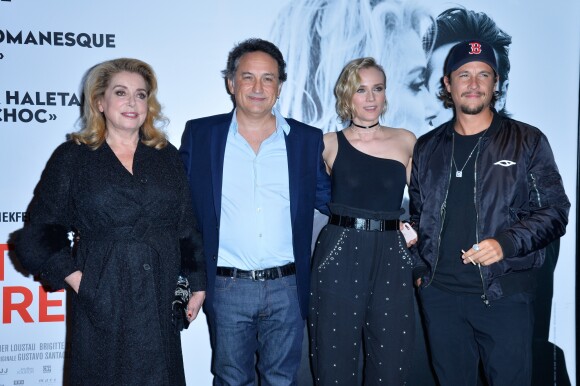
x: 536, y: 189
x: 483, y: 295
x: 442, y: 212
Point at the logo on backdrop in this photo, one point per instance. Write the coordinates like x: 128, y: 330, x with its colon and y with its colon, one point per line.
x: 58, y: 39
x: 31, y: 106
x: 48, y: 381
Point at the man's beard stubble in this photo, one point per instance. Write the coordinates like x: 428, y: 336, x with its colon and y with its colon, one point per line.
x: 472, y: 110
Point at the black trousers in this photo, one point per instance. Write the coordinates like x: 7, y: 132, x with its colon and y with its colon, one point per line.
x: 462, y: 330
x: 361, y: 298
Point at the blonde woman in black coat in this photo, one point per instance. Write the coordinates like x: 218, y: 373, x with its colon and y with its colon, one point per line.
x: 118, y: 187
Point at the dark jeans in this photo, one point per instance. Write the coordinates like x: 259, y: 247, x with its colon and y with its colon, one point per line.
x: 256, y: 318
x: 462, y: 330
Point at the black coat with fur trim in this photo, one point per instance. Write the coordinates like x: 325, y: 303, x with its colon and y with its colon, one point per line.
x: 131, y: 228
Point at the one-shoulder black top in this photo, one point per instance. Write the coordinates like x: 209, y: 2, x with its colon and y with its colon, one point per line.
x: 363, y: 181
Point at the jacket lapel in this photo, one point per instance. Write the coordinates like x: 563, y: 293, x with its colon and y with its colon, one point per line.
x: 293, y: 151
x: 219, y: 136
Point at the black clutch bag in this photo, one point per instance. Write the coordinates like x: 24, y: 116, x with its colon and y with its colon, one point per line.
x: 179, y: 305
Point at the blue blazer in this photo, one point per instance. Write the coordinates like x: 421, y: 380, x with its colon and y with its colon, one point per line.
x: 202, y: 149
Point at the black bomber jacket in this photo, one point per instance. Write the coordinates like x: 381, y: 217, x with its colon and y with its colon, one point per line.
x: 519, y: 199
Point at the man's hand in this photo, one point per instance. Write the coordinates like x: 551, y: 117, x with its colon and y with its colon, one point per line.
x: 485, y: 253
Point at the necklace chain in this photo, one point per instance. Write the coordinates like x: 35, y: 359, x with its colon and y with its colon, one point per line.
x: 459, y: 172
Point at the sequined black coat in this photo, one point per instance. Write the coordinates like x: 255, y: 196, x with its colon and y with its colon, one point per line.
x: 130, y: 227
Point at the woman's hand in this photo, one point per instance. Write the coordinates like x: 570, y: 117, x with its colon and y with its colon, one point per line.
x: 412, y: 242
x: 409, y: 233
x: 194, y: 305
x: 74, y: 280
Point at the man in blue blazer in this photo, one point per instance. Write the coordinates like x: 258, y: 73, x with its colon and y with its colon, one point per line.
x: 256, y: 179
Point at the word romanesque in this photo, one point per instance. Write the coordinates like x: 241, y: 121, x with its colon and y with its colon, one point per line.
x: 53, y: 38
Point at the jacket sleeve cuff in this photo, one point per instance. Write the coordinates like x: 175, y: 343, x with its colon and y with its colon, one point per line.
x: 193, y: 263
x: 44, y: 250
x: 507, y: 245
x: 197, y: 281
x: 419, y: 271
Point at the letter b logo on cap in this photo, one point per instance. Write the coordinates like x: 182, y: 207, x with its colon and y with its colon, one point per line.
x: 475, y: 49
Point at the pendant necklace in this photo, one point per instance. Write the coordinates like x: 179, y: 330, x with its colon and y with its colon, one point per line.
x: 459, y: 172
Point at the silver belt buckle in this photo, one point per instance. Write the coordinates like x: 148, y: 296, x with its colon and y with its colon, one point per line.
x: 258, y: 275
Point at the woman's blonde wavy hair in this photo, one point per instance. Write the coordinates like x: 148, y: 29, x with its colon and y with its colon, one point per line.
x: 347, y: 84
x: 93, y: 126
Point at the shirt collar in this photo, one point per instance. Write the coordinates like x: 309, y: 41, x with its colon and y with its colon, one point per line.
x: 281, y: 124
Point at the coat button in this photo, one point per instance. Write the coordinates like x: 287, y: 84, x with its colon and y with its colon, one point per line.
x: 146, y: 267
x: 214, y: 257
x: 144, y: 180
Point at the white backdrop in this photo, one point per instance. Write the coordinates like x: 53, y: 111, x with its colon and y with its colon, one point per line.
x: 187, y: 45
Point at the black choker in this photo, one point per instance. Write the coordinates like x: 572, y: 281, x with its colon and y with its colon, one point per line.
x: 364, y: 127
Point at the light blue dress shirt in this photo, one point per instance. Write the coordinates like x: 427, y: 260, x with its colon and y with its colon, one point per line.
x: 255, y: 224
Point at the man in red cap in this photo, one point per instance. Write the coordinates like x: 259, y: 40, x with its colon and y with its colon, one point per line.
x: 487, y: 197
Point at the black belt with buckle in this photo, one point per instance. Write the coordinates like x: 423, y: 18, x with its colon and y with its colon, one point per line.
x: 364, y: 224
x: 259, y: 274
